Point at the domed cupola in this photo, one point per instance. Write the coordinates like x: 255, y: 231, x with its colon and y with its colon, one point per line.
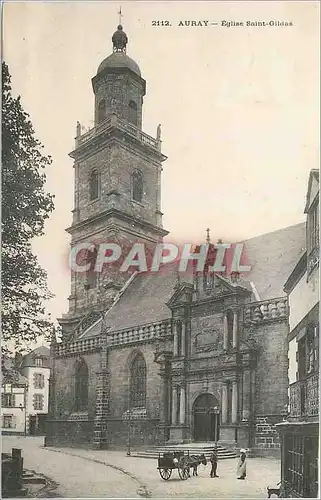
x: 119, y: 40
x: 118, y: 85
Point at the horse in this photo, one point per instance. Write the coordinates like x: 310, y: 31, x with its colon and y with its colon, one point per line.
x: 193, y: 461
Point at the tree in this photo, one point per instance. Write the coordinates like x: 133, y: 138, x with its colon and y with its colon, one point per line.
x: 25, y: 207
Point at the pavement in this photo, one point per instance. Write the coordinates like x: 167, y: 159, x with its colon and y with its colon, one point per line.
x: 83, y: 473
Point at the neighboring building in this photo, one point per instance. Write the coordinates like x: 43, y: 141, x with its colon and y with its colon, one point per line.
x: 185, y: 358
x: 13, y: 398
x: 300, y: 433
x: 35, y: 366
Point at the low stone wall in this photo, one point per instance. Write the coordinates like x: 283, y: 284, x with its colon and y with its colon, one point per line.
x: 267, y: 440
x: 80, y: 433
x: 142, y: 433
x: 69, y: 433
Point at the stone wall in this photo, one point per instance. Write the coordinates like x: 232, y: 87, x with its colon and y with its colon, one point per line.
x: 121, y: 88
x: 267, y: 441
x: 119, y: 365
x: 69, y: 433
x: 142, y: 433
x: 271, y: 381
x: 65, y: 384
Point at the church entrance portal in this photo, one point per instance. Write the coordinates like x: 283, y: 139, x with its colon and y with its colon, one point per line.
x: 206, y: 420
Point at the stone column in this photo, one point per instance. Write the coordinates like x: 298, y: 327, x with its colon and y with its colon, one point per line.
x: 234, y: 402
x: 246, y: 394
x: 175, y: 339
x: 174, y: 404
x: 224, y: 403
x: 183, y: 340
x: 235, y: 329
x: 102, y: 400
x: 182, y: 406
x: 225, y: 333
x: 162, y: 399
x: 158, y: 197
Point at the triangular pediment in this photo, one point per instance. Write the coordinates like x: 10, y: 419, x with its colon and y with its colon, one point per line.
x: 182, y: 295
x: 218, y: 285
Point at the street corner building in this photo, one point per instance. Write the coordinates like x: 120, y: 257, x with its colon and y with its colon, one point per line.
x: 300, y: 430
x: 198, y: 359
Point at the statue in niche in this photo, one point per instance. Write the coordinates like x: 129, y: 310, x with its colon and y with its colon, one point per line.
x: 113, y: 106
x: 159, y: 133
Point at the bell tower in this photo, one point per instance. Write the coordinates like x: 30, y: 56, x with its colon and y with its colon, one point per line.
x: 118, y: 85
x: 117, y: 189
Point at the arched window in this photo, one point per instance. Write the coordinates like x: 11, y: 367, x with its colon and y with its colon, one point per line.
x: 101, y: 111
x: 94, y: 185
x: 91, y: 274
x: 138, y: 186
x: 81, y: 386
x: 132, y: 114
x: 138, y: 382
x: 230, y: 317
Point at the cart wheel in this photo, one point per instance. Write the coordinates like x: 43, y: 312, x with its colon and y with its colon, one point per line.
x: 183, y: 473
x: 165, y: 473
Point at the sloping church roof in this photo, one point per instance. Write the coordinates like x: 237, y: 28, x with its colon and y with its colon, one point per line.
x: 272, y: 256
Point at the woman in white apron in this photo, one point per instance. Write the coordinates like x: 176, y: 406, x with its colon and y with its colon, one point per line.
x: 241, y: 465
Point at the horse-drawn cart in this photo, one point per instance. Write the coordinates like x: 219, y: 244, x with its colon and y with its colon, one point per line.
x: 170, y: 461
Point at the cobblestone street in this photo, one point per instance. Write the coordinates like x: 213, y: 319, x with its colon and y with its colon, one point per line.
x: 91, y: 474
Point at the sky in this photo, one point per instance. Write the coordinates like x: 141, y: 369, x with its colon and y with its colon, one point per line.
x: 239, y: 109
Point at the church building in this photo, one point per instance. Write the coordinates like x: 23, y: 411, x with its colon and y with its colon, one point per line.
x: 195, y: 358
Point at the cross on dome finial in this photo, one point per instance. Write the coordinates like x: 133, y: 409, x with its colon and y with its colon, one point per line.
x: 120, y: 15
x: 119, y: 38
x: 208, y: 239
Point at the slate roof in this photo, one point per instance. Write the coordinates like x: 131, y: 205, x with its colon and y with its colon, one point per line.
x: 272, y: 256
x: 39, y: 352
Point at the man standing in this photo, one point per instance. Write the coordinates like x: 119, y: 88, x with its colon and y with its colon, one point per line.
x: 213, y: 460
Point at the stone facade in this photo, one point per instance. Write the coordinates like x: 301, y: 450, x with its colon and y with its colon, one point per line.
x: 299, y: 432
x: 213, y: 358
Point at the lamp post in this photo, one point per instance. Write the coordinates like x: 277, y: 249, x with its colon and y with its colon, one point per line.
x: 127, y: 416
x: 216, y: 412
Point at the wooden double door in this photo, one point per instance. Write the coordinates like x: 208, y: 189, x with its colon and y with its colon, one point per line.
x: 206, y: 418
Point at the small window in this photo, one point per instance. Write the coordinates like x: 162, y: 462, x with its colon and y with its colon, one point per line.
x: 101, y: 111
x: 312, y: 349
x: 132, y: 115
x: 38, y: 361
x: 38, y: 402
x: 91, y: 274
x: 313, y: 224
x: 138, y: 186
x: 7, y: 421
x: 38, y: 381
x: 94, y: 185
x: 8, y: 400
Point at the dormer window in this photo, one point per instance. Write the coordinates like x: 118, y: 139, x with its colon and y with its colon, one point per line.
x: 313, y: 226
x: 138, y: 186
x: 94, y: 185
x: 132, y: 115
x: 38, y: 361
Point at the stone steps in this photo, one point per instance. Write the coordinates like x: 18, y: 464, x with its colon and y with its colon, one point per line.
x: 192, y: 448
